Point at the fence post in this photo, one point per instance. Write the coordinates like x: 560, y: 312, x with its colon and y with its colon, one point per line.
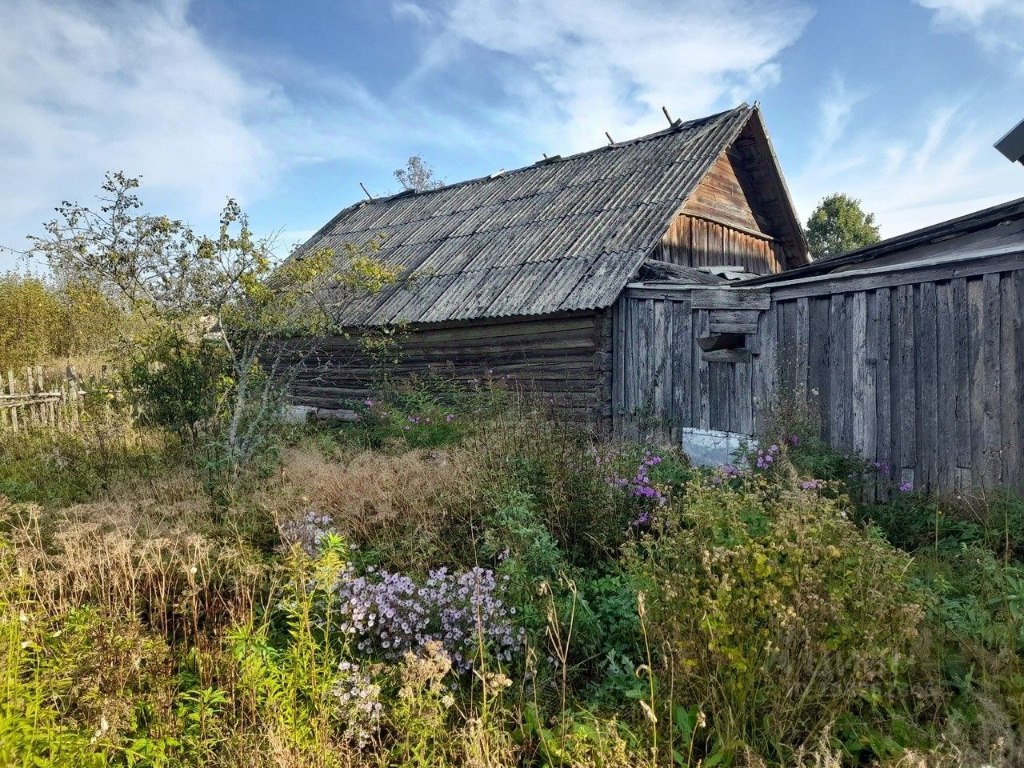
x: 14, y: 407
x: 72, y: 382
x: 31, y: 408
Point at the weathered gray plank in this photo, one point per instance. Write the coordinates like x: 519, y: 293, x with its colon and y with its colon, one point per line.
x: 1012, y: 449
x: 992, y: 334
x: 702, y: 406
x: 853, y: 281
x: 883, y: 383
x: 682, y: 352
x: 727, y: 356
x: 661, y: 349
x: 818, y: 378
x: 765, y: 369
x: 618, y: 365
x: 839, y: 382
x: 1018, y: 373
x: 743, y: 397
x: 859, y: 373
x: 723, y: 326
x: 801, y: 339
x: 963, y: 367
x: 730, y: 298
x: 975, y: 306
x: 946, y: 399
x: 906, y: 403
x: 927, y: 377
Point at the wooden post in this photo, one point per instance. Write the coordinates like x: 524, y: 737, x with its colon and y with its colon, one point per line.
x: 46, y: 404
x: 31, y: 410
x: 14, y: 408
x: 75, y: 403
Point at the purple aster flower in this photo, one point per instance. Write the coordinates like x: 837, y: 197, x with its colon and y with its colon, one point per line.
x: 906, y: 486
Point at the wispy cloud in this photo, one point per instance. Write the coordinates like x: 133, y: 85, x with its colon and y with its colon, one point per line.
x: 93, y: 87
x: 121, y: 86
x: 997, y: 25
x: 939, y: 164
x: 582, y: 67
x: 835, y: 111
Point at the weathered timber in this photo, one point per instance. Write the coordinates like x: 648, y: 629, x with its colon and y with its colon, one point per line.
x: 921, y: 378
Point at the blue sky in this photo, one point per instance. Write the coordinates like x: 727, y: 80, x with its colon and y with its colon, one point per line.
x: 288, y: 106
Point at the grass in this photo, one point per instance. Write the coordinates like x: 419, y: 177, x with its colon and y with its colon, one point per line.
x: 490, y: 589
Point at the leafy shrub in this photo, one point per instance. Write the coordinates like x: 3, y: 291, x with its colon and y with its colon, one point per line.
x: 175, y: 381
x: 40, y: 321
x: 778, y: 614
x: 312, y: 703
x: 913, y: 522
x: 528, y: 451
x: 29, y: 320
x: 62, y: 468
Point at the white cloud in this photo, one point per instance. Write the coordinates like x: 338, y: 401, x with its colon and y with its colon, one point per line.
x: 997, y: 25
x: 940, y: 164
x: 588, y: 67
x: 94, y: 87
x: 835, y: 110
x: 101, y: 87
x: 404, y: 10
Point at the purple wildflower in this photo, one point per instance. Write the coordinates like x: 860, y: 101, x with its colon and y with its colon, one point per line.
x: 906, y: 486
x: 389, y: 614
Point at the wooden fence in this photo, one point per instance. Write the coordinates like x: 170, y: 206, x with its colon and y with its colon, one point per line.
x: 917, y: 369
x: 37, y: 398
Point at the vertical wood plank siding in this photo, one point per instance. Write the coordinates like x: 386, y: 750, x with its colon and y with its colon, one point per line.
x: 922, y: 375
x: 695, y: 241
x: 567, y: 358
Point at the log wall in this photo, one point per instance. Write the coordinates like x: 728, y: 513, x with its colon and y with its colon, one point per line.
x: 567, y: 358
x: 919, y: 368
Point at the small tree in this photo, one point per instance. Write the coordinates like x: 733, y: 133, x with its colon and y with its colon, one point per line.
x: 223, y: 329
x: 839, y: 225
x: 417, y: 175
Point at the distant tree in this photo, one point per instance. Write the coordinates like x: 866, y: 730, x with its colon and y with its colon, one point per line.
x: 417, y: 175
x: 839, y: 225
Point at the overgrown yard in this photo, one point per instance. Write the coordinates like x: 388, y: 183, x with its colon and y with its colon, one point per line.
x: 459, y: 580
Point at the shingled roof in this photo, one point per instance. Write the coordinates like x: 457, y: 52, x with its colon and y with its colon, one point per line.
x: 562, y: 234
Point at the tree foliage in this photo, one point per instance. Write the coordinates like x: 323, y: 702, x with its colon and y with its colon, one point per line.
x: 41, y: 320
x: 417, y: 175
x: 839, y: 225
x: 223, y: 327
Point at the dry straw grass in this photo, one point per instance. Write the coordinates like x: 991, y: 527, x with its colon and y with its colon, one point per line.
x: 138, y: 559
x: 402, y: 505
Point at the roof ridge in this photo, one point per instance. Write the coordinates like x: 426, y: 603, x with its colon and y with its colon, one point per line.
x: 677, y: 126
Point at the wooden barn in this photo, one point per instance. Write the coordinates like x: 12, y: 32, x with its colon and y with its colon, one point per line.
x: 522, y: 273
x: 910, y: 352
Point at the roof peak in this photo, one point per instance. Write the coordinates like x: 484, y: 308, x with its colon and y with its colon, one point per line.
x: 677, y: 125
